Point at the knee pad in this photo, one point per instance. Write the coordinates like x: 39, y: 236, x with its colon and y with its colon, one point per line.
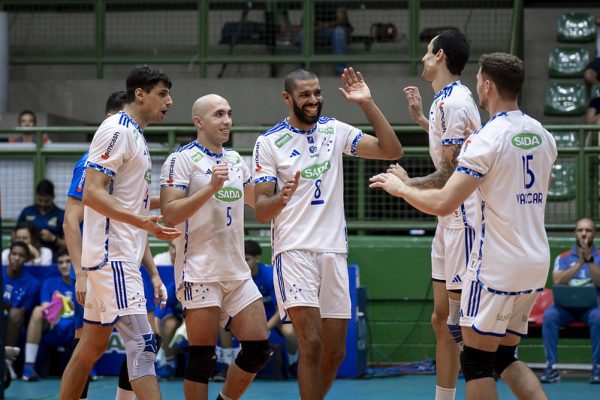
x: 254, y: 355
x: 124, y: 377
x: 477, y: 364
x: 504, y: 357
x: 158, y: 342
x: 201, y: 363
x: 455, y: 332
x: 140, y: 345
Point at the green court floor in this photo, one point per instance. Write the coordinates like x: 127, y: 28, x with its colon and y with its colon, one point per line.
x: 405, y: 388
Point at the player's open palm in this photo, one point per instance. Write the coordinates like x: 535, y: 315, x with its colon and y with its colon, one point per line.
x: 388, y: 182
x: 157, y: 230
x: 397, y: 170
x: 220, y: 174
x: 289, y: 188
x: 415, y: 103
x: 354, y: 88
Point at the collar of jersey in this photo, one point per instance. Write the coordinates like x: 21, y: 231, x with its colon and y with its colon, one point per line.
x: 132, y: 122
x: 300, y: 131
x: 207, y: 151
x: 446, y: 90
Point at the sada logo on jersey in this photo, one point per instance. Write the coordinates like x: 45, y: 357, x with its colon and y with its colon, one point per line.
x: 111, y: 145
x: 283, y: 140
x: 526, y: 140
x: 228, y: 194
x: 326, y: 131
x: 197, y: 157
x: 316, y: 170
x: 148, y: 176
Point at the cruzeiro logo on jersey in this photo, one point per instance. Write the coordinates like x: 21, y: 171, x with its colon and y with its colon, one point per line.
x: 283, y: 140
x: 526, y: 140
x: 148, y: 176
x: 228, y: 194
x: 197, y: 157
x: 316, y: 170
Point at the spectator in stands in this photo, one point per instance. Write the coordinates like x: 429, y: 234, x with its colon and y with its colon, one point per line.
x: 61, y: 334
x: 592, y: 115
x: 332, y: 28
x: 576, y: 267
x: 27, y: 119
x: 591, y: 74
x: 263, y: 278
x: 46, y: 216
x: 27, y: 233
x: 20, y: 293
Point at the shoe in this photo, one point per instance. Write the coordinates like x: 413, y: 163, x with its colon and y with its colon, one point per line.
x: 595, y: 377
x: 550, y: 375
x: 220, y: 372
x: 93, y: 375
x: 165, y: 371
x: 29, y: 374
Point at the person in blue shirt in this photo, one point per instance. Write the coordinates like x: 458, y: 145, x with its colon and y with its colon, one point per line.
x: 20, y: 293
x: 168, y: 319
x: 46, y: 216
x: 263, y: 278
x: 578, y: 266
x: 60, y: 334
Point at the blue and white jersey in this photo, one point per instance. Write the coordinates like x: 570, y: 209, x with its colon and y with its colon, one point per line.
x: 118, y: 150
x: 212, y: 246
x: 78, y: 178
x: 314, y: 218
x: 512, y: 155
x: 453, y: 111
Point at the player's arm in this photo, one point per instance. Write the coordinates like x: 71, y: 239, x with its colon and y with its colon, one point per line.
x: 439, y: 178
x: 269, y: 204
x: 591, y: 117
x: 176, y: 206
x: 71, y: 223
x: 415, y: 107
x: 430, y: 201
x: 154, y: 202
x: 249, y: 194
x: 160, y: 291
x: 273, y: 321
x: 594, y: 272
x: 96, y: 196
x: 385, y: 145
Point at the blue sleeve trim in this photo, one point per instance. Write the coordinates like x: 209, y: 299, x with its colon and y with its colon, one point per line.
x: 182, y: 187
x: 270, y: 179
x: 102, y: 169
x: 248, y: 181
x: 469, y: 171
x: 453, y: 141
x: 355, y: 143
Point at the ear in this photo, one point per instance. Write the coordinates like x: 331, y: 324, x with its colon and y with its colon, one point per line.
x: 440, y: 55
x: 197, y: 121
x: 286, y: 97
x: 139, y: 94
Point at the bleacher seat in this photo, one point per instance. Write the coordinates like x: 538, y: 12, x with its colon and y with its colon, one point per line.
x: 545, y: 300
x: 576, y: 27
x: 562, y: 187
x: 565, y: 99
x: 565, y: 62
x: 566, y: 138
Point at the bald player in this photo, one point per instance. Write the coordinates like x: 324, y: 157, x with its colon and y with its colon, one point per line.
x: 203, y: 190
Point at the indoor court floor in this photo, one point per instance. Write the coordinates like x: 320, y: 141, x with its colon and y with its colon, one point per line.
x: 404, y: 387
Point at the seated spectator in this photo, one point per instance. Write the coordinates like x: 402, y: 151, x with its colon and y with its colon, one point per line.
x: 20, y: 293
x: 263, y: 278
x: 591, y: 74
x: 168, y: 319
x: 27, y: 119
x: 592, y: 115
x: 29, y: 234
x: 576, y: 267
x: 61, y: 334
x: 46, y: 216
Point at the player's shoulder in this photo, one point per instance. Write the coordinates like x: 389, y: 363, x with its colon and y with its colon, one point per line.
x: 281, y: 126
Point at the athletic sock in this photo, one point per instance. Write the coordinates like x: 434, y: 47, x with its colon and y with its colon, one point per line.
x: 444, y: 393
x: 31, y: 351
x: 221, y: 396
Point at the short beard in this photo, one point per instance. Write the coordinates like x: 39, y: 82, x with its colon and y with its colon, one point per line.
x: 305, y: 118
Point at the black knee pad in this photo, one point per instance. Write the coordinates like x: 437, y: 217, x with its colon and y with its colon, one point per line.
x: 124, y: 377
x: 477, y: 364
x: 504, y: 357
x: 201, y: 363
x: 158, y: 342
x: 254, y: 355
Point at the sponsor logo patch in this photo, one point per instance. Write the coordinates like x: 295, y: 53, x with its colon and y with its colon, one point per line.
x: 283, y: 140
x: 316, y: 170
x: 526, y: 140
x: 110, y: 147
x: 229, y: 194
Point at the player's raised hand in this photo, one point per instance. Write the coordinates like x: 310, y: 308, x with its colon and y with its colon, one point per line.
x: 354, y: 88
x: 150, y: 224
x: 415, y: 103
x: 289, y: 188
x: 160, y: 292
x: 397, y: 170
x: 388, y: 182
x: 220, y: 173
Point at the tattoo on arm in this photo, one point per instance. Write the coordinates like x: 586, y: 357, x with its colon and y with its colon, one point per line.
x: 438, y: 179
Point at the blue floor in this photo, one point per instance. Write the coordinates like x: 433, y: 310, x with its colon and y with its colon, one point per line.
x: 405, y: 387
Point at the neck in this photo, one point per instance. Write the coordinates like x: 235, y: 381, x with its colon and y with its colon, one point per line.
x: 135, y: 113
x: 66, y: 279
x: 499, y: 105
x: 254, y: 270
x: 296, y: 123
x: 443, y: 79
x: 209, y: 144
x: 13, y: 273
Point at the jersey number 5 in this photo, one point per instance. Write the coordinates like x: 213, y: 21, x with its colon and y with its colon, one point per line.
x: 229, y: 216
x: 528, y: 175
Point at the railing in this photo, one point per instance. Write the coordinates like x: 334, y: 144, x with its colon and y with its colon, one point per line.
x: 104, y: 33
x: 574, y: 191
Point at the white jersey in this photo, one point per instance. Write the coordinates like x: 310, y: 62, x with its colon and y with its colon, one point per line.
x: 453, y: 111
x: 513, y: 156
x: 314, y: 218
x: 212, y: 246
x: 118, y: 150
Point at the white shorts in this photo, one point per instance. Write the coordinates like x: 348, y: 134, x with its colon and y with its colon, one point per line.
x: 449, y: 255
x: 494, y: 314
x: 114, y: 290
x: 230, y: 296
x: 306, y: 278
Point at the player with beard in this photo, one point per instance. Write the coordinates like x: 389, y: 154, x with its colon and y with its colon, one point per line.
x: 299, y: 186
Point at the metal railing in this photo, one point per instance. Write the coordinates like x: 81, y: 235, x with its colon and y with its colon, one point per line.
x: 574, y: 191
